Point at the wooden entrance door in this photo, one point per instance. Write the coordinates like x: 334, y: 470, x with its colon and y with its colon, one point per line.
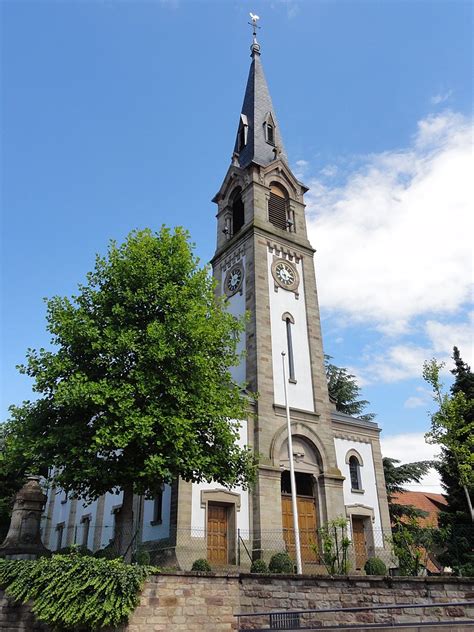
x: 217, y: 528
x: 307, y: 525
x: 358, y: 542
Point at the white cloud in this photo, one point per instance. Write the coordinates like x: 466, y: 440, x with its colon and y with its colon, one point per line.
x: 411, y: 447
x: 445, y: 336
x: 403, y: 361
x: 329, y: 171
x: 414, y: 402
x: 302, y: 163
x: 399, y: 362
x: 395, y: 241
x: 441, y: 98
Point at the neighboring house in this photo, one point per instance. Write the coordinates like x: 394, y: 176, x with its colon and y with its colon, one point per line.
x: 431, y: 505
x: 264, y: 265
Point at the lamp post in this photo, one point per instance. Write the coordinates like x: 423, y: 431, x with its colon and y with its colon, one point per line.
x: 296, y: 527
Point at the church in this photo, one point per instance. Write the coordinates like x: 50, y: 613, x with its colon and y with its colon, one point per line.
x: 264, y: 265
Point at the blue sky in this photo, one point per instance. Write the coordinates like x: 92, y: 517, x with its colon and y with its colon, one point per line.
x: 122, y: 115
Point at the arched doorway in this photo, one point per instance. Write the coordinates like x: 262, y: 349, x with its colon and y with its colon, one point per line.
x: 307, y: 463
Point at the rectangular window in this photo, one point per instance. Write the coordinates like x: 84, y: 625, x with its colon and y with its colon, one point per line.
x: 60, y: 534
x: 158, y: 507
x: 86, y: 523
x: 242, y: 138
x: 270, y: 134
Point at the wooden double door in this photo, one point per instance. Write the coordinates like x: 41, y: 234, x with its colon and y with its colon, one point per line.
x: 307, y: 523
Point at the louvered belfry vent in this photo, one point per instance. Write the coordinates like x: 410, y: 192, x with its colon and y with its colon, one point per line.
x: 277, y: 208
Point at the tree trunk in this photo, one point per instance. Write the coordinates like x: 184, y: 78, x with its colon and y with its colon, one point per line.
x: 124, y: 536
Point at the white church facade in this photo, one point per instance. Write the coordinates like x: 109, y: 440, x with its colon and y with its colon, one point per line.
x: 264, y: 264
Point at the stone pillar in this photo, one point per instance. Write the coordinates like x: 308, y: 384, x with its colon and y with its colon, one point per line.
x: 23, y: 539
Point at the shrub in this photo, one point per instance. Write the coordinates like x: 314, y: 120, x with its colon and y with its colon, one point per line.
x: 201, y: 565
x: 259, y: 566
x: 281, y: 563
x: 334, y: 546
x: 74, y: 549
x: 141, y: 556
x: 109, y: 552
x: 375, y: 566
x: 71, y: 592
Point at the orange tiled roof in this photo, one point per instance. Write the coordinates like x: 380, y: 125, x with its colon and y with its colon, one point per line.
x: 430, y: 503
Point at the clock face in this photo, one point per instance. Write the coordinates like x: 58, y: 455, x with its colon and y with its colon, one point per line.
x: 285, y: 274
x: 234, y: 279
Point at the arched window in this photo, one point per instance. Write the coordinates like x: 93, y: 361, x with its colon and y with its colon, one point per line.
x: 289, y: 322
x: 354, y: 471
x: 238, y: 215
x: 278, y: 207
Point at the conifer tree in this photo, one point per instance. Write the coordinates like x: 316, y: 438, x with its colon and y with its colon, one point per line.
x: 345, y: 391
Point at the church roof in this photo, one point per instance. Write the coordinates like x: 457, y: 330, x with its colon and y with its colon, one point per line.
x: 257, y: 112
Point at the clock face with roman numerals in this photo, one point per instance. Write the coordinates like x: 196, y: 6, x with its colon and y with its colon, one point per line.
x: 285, y: 274
x: 233, y: 280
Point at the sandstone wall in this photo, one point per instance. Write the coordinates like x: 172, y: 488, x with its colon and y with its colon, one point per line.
x: 187, y: 602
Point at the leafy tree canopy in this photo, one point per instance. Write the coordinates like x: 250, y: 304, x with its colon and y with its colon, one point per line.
x: 453, y: 428
x: 452, y: 425
x: 396, y: 477
x: 12, y: 476
x: 136, y: 389
x: 345, y: 391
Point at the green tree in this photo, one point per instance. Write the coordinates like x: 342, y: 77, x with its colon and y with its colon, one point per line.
x: 412, y: 543
x: 345, y: 391
x: 13, y: 471
x: 136, y: 390
x: 452, y: 425
x: 396, y: 476
x: 456, y: 521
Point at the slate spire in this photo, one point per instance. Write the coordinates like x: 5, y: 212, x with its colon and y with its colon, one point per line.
x: 258, y: 135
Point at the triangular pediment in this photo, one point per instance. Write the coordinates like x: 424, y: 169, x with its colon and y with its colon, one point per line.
x: 281, y: 171
x: 234, y: 177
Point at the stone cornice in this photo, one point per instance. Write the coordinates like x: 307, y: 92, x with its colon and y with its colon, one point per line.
x: 272, y: 236
x: 297, y: 414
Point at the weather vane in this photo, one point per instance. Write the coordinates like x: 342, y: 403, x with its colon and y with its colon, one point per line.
x: 254, y: 25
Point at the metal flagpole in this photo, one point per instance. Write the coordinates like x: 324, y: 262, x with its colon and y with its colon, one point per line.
x: 296, y: 527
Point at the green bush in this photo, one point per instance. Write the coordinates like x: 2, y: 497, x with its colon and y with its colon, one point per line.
x: 375, y: 566
x: 201, y: 565
x: 141, y: 556
x: 259, y: 566
x: 334, y: 548
x: 74, y: 549
x: 109, y: 552
x: 281, y: 563
x: 71, y: 592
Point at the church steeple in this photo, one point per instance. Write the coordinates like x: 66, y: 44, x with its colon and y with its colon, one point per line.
x: 258, y: 135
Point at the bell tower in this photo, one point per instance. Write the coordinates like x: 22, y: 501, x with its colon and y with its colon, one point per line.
x: 264, y: 265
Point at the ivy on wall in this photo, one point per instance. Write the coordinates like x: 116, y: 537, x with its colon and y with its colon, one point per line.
x: 72, y: 592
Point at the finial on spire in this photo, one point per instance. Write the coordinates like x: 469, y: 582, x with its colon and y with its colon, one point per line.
x: 255, y: 48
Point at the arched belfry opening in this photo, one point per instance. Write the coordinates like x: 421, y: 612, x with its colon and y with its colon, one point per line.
x: 278, y: 205
x: 238, y: 212
x: 308, y: 465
